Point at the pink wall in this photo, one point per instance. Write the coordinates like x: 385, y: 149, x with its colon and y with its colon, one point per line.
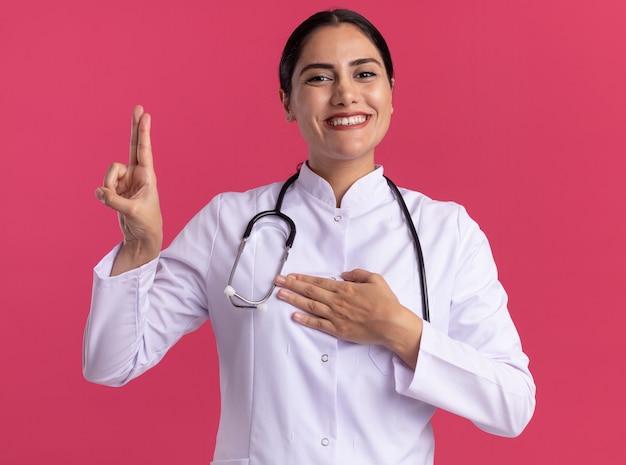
x: 515, y: 109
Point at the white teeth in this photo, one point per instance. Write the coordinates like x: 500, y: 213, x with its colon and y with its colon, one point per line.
x: 347, y: 121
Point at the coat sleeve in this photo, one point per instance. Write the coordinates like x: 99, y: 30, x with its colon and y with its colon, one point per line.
x: 475, y: 369
x: 137, y: 316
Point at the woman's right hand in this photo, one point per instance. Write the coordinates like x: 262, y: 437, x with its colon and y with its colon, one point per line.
x: 131, y: 190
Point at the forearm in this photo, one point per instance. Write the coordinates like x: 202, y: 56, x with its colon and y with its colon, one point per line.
x: 113, y: 332
x: 495, y: 393
x: 134, y: 319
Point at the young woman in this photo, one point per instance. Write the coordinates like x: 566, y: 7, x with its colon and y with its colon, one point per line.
x: 354, y: 353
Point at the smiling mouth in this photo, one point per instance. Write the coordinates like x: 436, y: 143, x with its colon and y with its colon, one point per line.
x: 347, y: 120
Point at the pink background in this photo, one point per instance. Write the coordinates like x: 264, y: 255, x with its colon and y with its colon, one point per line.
x: 517, y: 110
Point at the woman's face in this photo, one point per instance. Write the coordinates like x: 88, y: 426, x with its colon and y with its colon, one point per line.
x: 341, y: 95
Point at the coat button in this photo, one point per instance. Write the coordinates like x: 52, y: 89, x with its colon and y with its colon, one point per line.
x: 325, y: 442
x: 324, y: 358
x: 338, y: 218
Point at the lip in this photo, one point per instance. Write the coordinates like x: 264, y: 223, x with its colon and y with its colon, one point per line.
x: 347, y: 115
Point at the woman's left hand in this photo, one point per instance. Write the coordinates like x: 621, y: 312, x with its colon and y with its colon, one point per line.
x: 361, y: 309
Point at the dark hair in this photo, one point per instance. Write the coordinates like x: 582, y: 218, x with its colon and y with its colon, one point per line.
x: 299, y: 37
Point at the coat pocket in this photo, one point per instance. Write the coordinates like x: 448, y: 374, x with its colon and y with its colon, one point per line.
x: 382, y: 358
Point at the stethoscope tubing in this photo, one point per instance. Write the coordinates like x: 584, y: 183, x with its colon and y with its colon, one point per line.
x: 418, y: 249
x: 260, y: 304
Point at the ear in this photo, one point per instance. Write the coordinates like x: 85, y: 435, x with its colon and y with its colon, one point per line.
x: 284, y: 100
x: 393, y: 86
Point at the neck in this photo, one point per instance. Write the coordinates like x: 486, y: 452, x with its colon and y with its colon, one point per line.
x: 342, y: 175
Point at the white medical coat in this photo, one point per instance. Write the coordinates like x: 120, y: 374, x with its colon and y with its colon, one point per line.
x: 294, y: 395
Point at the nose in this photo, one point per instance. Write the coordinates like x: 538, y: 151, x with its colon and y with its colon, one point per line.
x: 345, y: 92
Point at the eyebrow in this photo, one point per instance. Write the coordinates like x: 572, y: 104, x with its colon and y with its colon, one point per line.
x: 357, y: 62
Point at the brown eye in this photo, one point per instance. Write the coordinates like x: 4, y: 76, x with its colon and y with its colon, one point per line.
x: 318, y: 79
x: 366, y: 74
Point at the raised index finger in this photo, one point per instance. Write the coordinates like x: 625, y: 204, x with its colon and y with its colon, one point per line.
x: 134, y: 133
x: 144, y: 145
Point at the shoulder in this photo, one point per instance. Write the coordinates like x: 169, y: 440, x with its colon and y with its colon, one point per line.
x: 447, y: 219
x: 227, y: 213
x: 262, y: 197
x: 420, y: 203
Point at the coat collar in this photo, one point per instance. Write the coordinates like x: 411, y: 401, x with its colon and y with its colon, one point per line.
x: 364, y: 191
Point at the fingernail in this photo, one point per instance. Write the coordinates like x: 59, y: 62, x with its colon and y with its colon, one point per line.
x: 280, y: 280
x: 100, y: 195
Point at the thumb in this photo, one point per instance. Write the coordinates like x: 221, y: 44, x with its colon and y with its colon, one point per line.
x: 112, y: 200
x: 357, y: 276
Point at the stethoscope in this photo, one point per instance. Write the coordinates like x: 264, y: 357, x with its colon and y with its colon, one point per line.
x: 241, y: 302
